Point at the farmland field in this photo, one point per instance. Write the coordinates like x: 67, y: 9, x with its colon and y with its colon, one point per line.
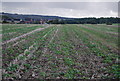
x: 77, y: 51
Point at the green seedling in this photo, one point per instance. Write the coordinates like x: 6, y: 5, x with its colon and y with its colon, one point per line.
x: 43, y: 74
x: 22, y: 57
x: 71, y: 73
x: 68, y: 61
x: 27, y: 66
x: 27, y: 52
x: 13, y: 67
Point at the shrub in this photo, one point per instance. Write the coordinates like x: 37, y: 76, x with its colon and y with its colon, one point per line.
x: 108, y: 23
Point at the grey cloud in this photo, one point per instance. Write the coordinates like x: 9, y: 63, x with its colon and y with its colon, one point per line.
x: 68, y: 9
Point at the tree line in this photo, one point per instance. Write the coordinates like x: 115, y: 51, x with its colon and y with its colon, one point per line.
x: 101, y: 20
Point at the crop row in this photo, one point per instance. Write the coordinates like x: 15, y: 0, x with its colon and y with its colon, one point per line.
x: 40, y: 41
x: 62, y: 52
x: 11, y: 51
x: 107, y: 39
x: 9, y: 27
x: 12, y: 33
x: 102, y: 50
x: 104, y: 28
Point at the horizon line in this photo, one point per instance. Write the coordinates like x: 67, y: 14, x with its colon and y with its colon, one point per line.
x: 58, y: 15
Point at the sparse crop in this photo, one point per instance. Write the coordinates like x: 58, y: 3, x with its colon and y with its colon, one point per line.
x: 61, y: 52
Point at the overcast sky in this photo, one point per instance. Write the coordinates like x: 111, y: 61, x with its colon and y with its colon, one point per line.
x: 60, y: 0
x: 64, y: 9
